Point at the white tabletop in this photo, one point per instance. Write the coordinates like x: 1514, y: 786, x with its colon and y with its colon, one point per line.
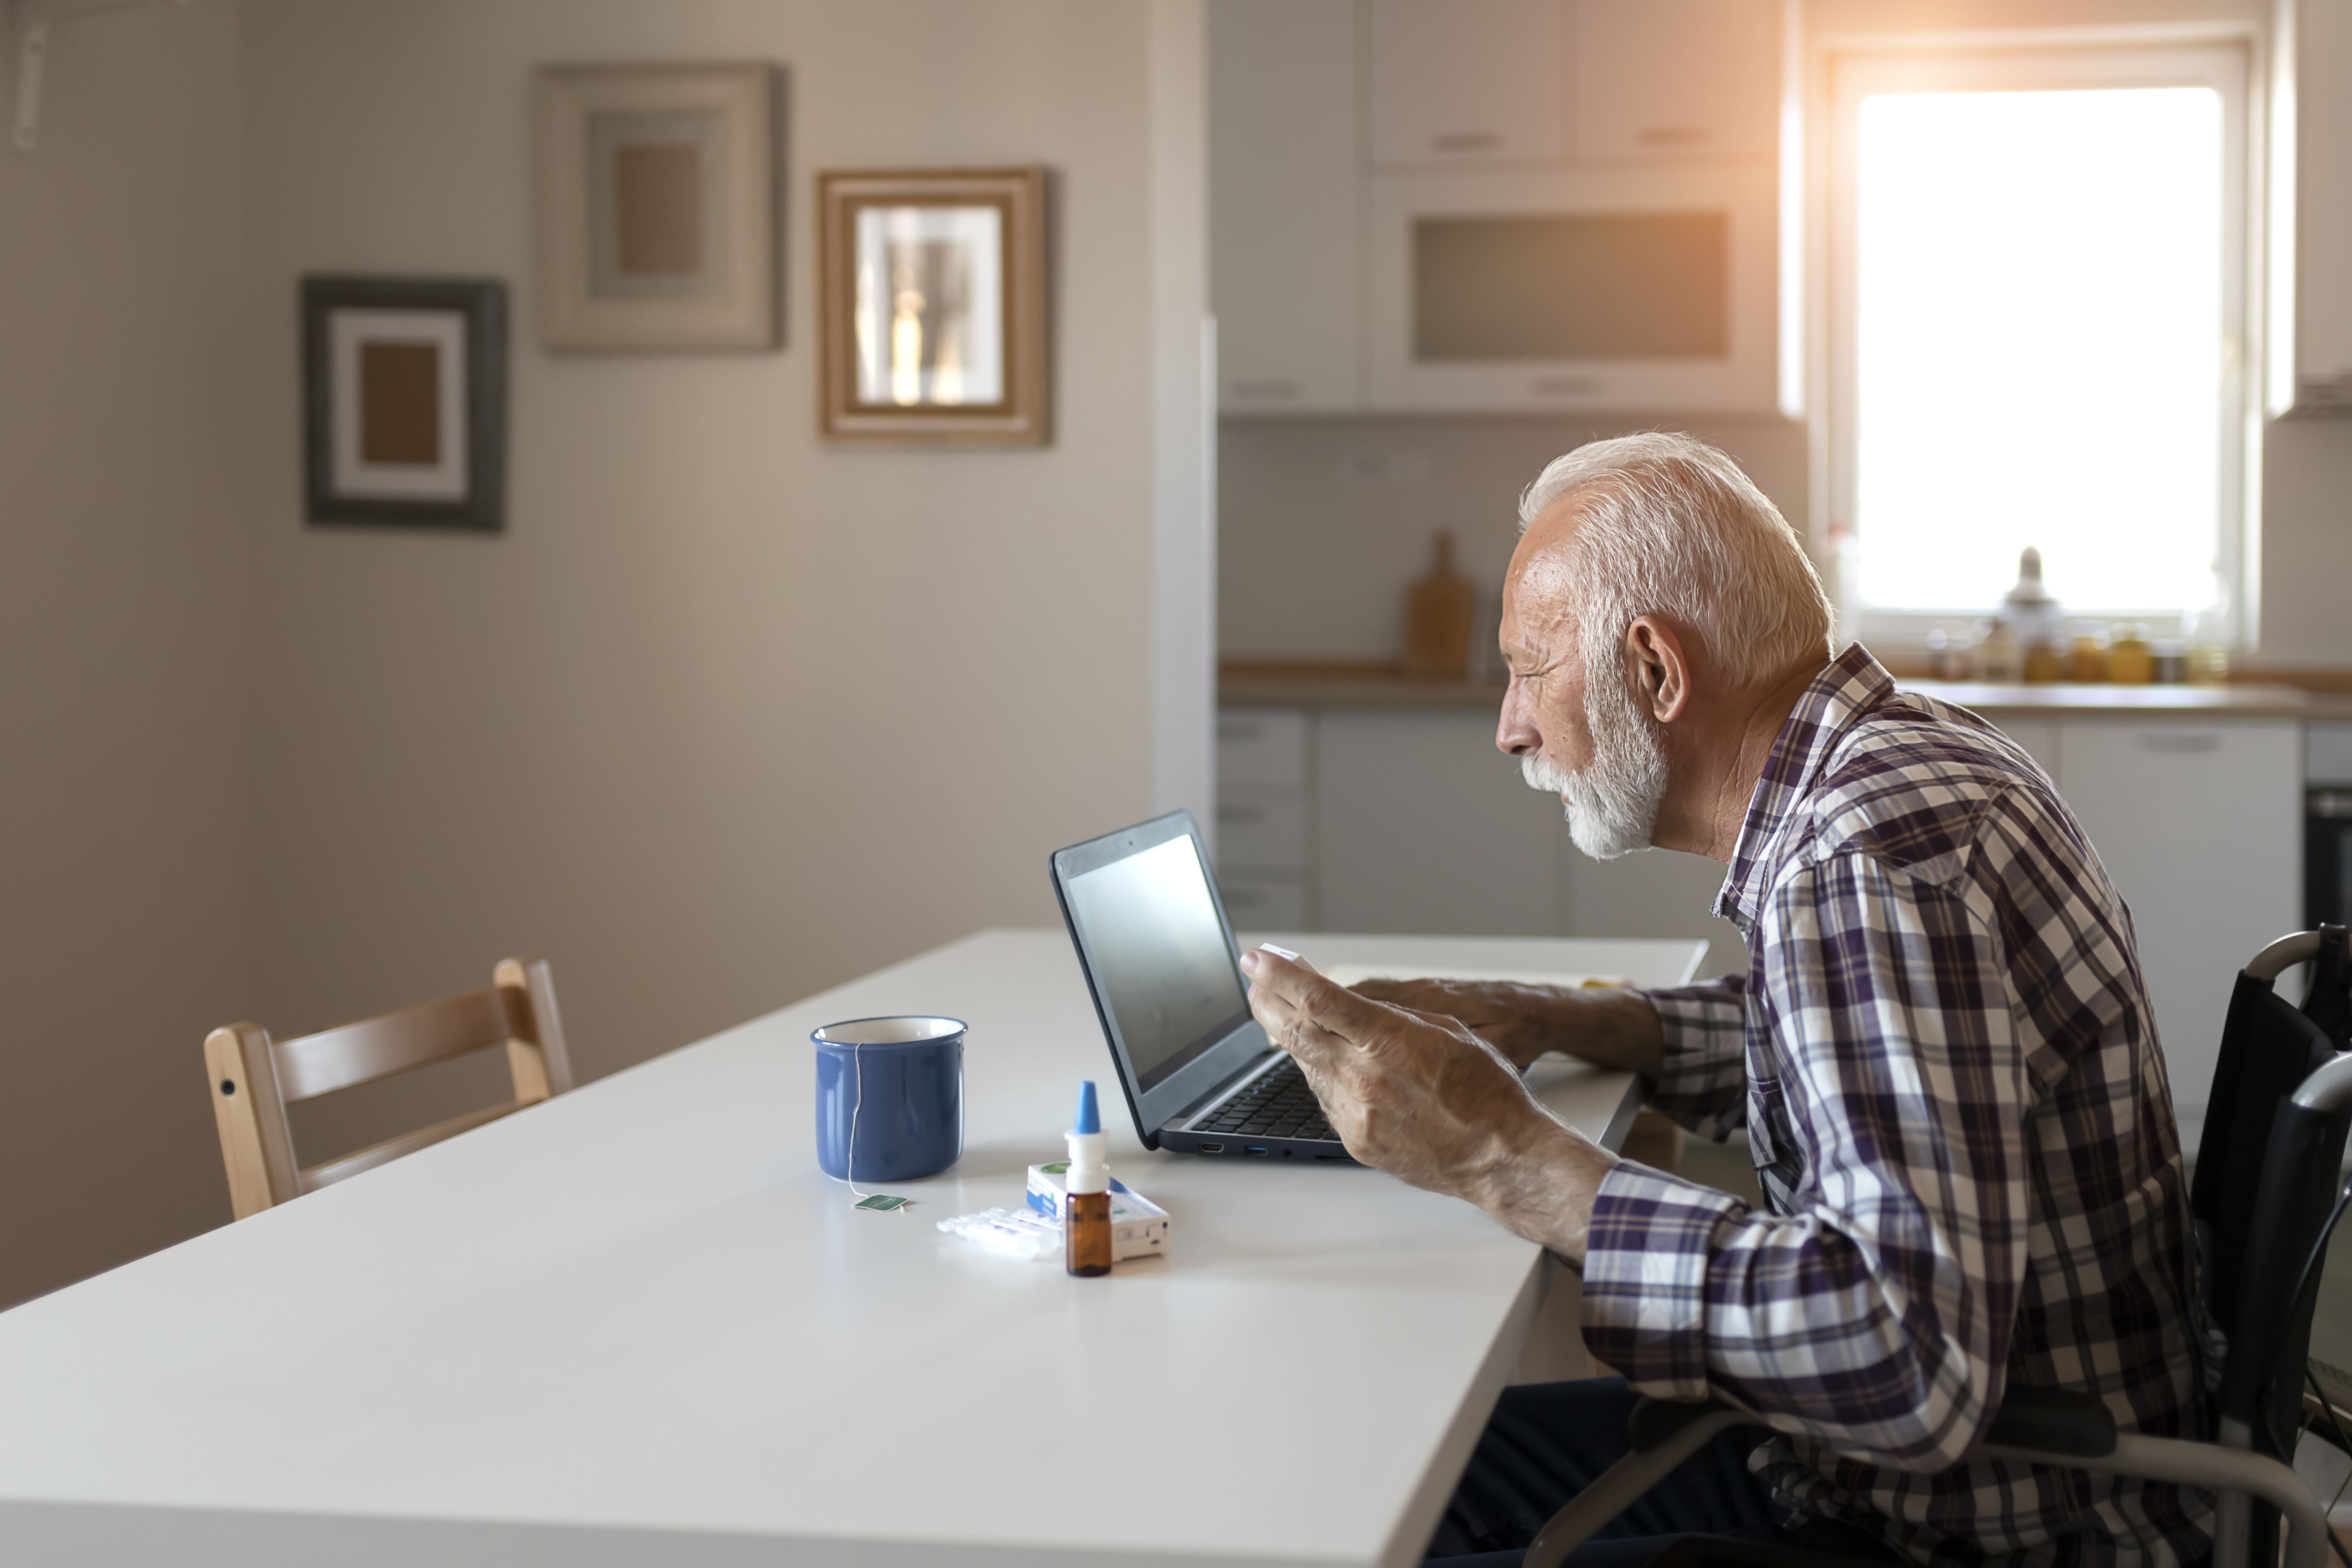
x: 636, y: 1325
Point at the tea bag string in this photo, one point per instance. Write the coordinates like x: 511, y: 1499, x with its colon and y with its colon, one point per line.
x: 857, y: 1066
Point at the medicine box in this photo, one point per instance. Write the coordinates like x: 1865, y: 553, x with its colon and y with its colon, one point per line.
x: 1139, y: 1228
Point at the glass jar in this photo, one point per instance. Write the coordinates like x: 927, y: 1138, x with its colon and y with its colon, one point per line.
x: 2130, y: 660
x: 2086, y: 656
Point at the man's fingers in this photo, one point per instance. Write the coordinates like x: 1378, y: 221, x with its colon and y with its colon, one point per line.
x: 1332, y: 1007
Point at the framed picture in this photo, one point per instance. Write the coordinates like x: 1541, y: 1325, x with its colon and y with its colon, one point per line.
x: 656, y: 206
x: 404, y: 401
x: 932, y: 304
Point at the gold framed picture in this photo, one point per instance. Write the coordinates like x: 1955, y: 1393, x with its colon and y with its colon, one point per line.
x: 656, y: 206
x: 931, y: 302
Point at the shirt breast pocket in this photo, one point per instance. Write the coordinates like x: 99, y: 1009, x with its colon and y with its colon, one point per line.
x: 1773, y: 1144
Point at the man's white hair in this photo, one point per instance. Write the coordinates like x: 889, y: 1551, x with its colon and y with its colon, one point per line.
x: 1669, y: 526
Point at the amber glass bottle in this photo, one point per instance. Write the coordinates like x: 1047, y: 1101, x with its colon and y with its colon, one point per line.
x: 1087, y: 1233
x: 1085, y: 1193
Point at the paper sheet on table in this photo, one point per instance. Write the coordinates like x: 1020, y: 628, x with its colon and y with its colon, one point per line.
x: 1351, y: 974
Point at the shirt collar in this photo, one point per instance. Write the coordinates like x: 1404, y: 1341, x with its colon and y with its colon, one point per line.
x: 1854, y: 684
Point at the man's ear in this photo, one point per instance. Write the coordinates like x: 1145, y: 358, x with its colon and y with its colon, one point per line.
x: 1661, y: 673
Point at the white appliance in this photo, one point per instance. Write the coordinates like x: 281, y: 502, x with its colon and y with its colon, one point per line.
x: 1585, y: 289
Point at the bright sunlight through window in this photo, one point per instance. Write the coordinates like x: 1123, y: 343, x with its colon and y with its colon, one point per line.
x: 2040, y: 330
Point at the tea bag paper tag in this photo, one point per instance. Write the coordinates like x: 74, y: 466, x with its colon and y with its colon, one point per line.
x: 883, y: 1203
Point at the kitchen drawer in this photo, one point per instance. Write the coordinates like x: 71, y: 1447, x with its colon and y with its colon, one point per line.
x: 1264, y: 903
x: 1261, y: 747
x: 2327, y: 753
x: 1261, y: 829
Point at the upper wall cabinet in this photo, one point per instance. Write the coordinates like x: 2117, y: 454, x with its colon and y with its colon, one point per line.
x: 2319, y: 349
x: 1457, y: 81
x: 1283, y: 205
x: 1676, y: 79
x: 1495, y: 206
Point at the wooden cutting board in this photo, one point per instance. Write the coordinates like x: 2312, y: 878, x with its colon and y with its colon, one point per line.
x: 1438, y: 611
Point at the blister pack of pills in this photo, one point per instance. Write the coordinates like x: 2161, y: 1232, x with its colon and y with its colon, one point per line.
x: 1015, y: 1232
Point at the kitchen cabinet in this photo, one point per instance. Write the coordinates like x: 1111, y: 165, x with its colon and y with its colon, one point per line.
x: 1264, y: 808
x: 1423, y: 827
x: 2319, y: 350
x: 1409, y: 820
x: 1721, y: 287
x: 1283, y: 205
x: 1622, y: 147
x: 2199, y: 825
x: 1668, y: 80
x: 1466, y: 81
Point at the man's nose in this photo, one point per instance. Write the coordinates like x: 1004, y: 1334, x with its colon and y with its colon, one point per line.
x: 1515, y: 731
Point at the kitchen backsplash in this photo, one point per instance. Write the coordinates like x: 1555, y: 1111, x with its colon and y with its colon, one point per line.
x: 1321, y: 523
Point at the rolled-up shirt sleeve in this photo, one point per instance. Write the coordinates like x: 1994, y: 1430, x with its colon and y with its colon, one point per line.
x: 1706, y: 1029
x: 1872, y: 1316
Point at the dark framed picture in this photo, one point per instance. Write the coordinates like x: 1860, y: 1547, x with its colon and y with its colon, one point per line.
x: 656, y: 206
x: 404, y: 401
x: 933, y: 300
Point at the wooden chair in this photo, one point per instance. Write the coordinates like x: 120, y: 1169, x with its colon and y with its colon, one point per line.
x: 254, y: 1078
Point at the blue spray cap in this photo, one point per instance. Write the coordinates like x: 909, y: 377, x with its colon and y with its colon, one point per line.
x: 1089, y: 1117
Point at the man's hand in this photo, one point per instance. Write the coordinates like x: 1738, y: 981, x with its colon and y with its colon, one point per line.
x: 1607, y: 1025
x: 1421, y: 1097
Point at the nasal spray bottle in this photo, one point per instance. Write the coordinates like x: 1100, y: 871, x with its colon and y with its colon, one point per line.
x: 1085, y: 1225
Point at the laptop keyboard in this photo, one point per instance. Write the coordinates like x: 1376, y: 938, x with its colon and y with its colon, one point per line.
x: 1278, y: 1105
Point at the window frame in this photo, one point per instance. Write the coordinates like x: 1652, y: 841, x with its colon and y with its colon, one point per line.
x: 2229, y: 60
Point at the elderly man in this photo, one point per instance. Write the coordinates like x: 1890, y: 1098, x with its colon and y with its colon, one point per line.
x: 1942, y: 1054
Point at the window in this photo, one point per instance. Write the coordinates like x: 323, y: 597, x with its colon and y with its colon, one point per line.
x: 2038, y: 276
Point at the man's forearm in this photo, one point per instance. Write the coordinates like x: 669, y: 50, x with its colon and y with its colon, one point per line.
x: 1607, y: 1027
x: 1543, y: 1187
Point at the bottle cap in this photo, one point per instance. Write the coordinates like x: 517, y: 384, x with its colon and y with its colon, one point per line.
x: 1089, y: 1148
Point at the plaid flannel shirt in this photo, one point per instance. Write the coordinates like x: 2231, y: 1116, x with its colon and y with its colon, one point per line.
x: 1945, y: 1060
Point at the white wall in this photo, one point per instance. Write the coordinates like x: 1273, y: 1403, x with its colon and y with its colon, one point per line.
x: 727, y: 715
x: 126, y: 614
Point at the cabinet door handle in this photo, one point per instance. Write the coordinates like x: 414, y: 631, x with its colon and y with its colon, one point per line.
x: 1672, y: 136
x: 1238, y: 814
x: 1266, y: 388
x: 2196, y: 744
x: 1465, y: 142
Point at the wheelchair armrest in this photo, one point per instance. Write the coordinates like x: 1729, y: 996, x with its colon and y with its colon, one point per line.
x: 1661, y: 1434
x: 2053, y: 1421
x: 1655, y: 1421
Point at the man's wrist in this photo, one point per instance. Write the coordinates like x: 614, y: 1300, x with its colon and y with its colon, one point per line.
x: 1610, y: 1026
x: 1541, y: 1183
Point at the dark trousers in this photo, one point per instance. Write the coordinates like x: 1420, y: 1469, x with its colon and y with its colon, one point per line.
x: 1548, y: 1441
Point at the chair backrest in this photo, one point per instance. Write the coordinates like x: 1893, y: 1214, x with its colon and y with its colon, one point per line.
x: 254, y: 1078
x: 2268, y: 1170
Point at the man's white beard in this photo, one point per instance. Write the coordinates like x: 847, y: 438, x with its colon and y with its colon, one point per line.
x: 1613, y: 802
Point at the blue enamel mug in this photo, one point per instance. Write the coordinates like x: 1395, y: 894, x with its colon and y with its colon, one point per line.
x: 890, y: 1097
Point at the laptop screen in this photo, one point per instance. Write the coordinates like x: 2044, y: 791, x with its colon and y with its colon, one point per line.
x: 1159, y: 956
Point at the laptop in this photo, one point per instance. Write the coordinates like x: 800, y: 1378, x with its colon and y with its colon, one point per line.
x: 1201, y: 1077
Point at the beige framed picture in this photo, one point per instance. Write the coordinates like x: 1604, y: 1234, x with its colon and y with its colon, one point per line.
x: 931, y: 304
x: 656, y: 209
